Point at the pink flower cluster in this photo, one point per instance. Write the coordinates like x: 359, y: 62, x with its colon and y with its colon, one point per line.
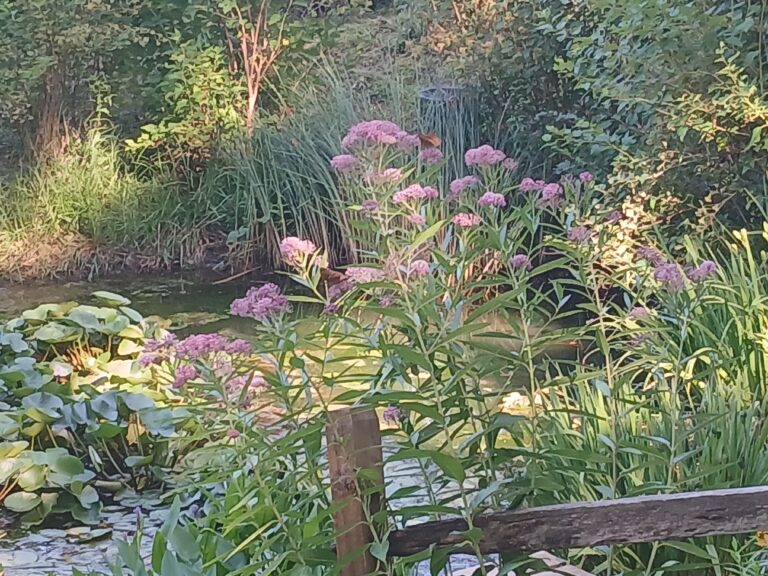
x: 485, y: 155
x: 431, y: 156
x: 669, y: 275
x: 531, y: 185
x: 416, y: 219
x: 418, y: 269
x: 460, y: 184
x: 344, y: 163
x: 520, y: 261
x: 295, y: 250
x: 407, y: 142
x: 586, y: 177
x: 393, y: 415
x: 702, y: 272
x: 386, y: 176
x: 372, y: 132
x: 467, y: 220
x: 639, y: 312
x: 492, y: 199
x: 364, y: 274
x: 551, y: 196
x: 184, y: 374
x: 415, y: 192
x: 200, y: 345
x: 261, y: 303
x: 579, y: 234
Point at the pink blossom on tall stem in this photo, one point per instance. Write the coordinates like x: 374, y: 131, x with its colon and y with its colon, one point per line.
x: 520, y: 261
x: 344, y: 163
x: 364, y: 274
x: 702, y: 272
x: 232, y: 433
x: 551, y: 196
x: 484, y: 155
x: 586, y: 176
x: 199, y: 345
x: 492, y: 199
x: 295, y: 250
x: 531, y: 185
x: 614, y: 217
x: 386, y: 176
x: 407, y: 142
x: 239, y: 347
x: 579, y: 234
x: 431, y: 156
x: 371, y: 132
x: 466, y: 220
x: 261, y: 303
x: 416, y: 219
x: 166, y: 343
x: 184, y: 374
x: 393, y: 415
x: 418, y: 268
x: 386, y: 301
x: 460, y: 184
x: 415, y: 192
x: 669, y: 275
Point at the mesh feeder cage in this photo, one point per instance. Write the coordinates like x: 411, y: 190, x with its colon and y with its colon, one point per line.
x: 451, y: 112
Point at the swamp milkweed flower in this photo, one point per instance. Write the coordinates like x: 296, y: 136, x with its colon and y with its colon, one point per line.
x: 364, y: 274
x: 386, y: 176
x: 344, y: 163
x: 702, y: 272
x: 372, y: 132
x: 484, y: 155
x: 393, y: 415
x: 466, y: 220
x: 416, y: 219
x: 520, y: 261
x: 586, y: 176
x: 183, y: 375
x: 670, y: 276
x: 492, y: 199
x: 418, y: 269
x: 460, y: 184
x: 261, y: 303
x: 579, y: 234
x: 510, y: 164
x: 431, y: 156
x: 531, y: 185
x: 551, y: 196
x: 415, y: 192
x: 294, y: 250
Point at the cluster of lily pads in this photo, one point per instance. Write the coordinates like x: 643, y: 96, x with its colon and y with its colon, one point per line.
x: 79, y: 418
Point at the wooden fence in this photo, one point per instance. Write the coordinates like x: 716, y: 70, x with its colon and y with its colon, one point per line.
x: 354, y: 444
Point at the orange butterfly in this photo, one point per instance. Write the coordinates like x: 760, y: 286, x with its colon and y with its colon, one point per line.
x: 331, y: 276
x: 429, y: 140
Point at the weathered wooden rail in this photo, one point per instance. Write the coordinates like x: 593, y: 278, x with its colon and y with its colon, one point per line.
x: 354, y: 444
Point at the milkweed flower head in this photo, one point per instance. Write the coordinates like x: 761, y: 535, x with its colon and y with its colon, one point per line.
x: 344, y: 163
x: 460, y: 184
x: 467, y: 220
x: 393, y: 415
x: 261, y: 303
x: 294, y: 250
x: 418, y: 268
x: 520, y: 261
x: 670, y: 276
x: 484, y: 155
x: 184, y: 374
x: 531, y: 185
x: 702, y: 272
x: 416, y: 219
x: 415, y: 192
x: 386, y: 176
x: 492, y: 199
x: 364, y: 274
x: 406, y: 141
x: 431, y: 156
x: 372, y: 132
x: 586, y: 176
x: 579, y: 234
x: 639, y: 312
x: 551, y: 196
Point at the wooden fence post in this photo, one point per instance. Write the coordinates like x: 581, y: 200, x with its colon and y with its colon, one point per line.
x: 354, y: 444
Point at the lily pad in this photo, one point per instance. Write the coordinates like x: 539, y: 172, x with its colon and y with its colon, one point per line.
x: 111, y: 299
x: 21, y: 501
x: 56, y: 332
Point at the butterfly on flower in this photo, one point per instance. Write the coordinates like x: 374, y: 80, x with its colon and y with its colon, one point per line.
x: 429, y: 140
